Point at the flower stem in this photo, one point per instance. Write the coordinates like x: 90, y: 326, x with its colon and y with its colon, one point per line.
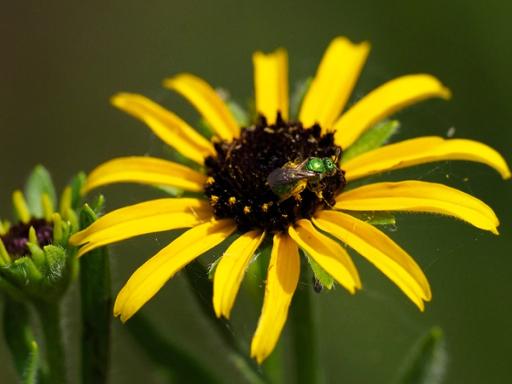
x: 49, y: 314
x: 20, y: 339
x: 197, y: 276
x: 96, y: 302
x: 304, y: 332
x: 179, y: 365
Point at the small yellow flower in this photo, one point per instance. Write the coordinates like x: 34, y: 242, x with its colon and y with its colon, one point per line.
x: 237, y: 195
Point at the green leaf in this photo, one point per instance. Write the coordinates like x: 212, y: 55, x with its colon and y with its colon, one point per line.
x: 20, y: 339
x: 426, y: 363
x: 298, y: 94
x: 376, y: 218
x: 38, y: 183
x: 321, y: 274
x: 373, y: 138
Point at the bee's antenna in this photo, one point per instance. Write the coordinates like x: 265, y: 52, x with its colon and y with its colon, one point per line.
x: 337, y: 155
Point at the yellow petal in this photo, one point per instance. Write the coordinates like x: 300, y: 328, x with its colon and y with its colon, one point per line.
x: 139, y: 219
x: 145, y: 170
x: 166, y: 125
x: 271, y: 84
x: 154, y: 273
x: 231, y: 269
x: 380, y: 250
x: 282, y: 278
x: 423, y: 150
x: 209, y: 104
x: 383, y: 102
x: 332, y: 85
x: 419, y: 196
x: 329, y: 254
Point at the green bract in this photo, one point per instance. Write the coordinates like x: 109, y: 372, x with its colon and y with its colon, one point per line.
x: 36, y: 262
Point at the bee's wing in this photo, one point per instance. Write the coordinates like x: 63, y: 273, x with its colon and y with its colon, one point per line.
x: 291, y: 175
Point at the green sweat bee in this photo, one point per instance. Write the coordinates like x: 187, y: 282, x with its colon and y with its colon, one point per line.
x: 293, y: 177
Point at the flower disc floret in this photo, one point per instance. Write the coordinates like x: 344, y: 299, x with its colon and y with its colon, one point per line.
x: 237, y: 186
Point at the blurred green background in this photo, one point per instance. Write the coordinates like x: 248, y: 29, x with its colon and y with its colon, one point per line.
x: 62, y: 60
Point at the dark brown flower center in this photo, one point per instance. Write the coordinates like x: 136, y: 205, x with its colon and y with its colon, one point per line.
x: 16, y: 239
x: 238, y: 184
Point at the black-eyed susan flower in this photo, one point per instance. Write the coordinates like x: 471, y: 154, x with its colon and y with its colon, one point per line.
x: 274, y: 181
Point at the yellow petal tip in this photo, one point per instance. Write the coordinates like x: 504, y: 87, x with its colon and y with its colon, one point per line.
x: 118, y: 99
x: 445, y: 93
x: 506, y: 172
x: 75, y: 239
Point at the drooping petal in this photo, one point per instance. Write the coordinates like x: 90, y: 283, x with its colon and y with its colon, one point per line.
x: 147, y: 280
x: 380, y: 250
x: 231, y: 269
x: 139, y: 219
x: 209, y: 104
x: 166, y: 125
x: 282, y: 278
x: 330, y: 255
x: 145, y: 170
x: 423, y: 150
x: 419, y: 196
x: 332, y: 85
x: 271, y: 84
x: 385, y: 101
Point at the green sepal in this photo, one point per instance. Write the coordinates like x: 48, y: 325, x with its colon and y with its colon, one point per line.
x: 172, y: 191
x: 38, y: 183
x: 373, y: 138
x: 375, y: 218
x: 44, y: 276
x: 76, y: 184
x: 426, y: 363
x: 300, y: 89
x: 174, y: 155
x: 20, y: 339
x: 25, y: 271
x: 204, y: 128
x: 241, y: 116
x: 37, y: 254
x: 213, y: 267
x: 319, y: 273
x: 97, y: 208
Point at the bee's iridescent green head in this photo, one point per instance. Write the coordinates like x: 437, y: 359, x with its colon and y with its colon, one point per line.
x: 330, y: 166
x: 315, y: 164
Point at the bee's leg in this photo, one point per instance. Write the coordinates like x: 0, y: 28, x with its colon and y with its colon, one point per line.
x: 329, y: 205
x: 320, y: 196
